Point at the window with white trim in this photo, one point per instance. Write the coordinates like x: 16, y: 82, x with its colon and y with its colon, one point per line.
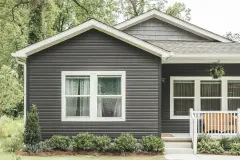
x: 203, y: 94
x: 233, y: 94
x: 93, y: 95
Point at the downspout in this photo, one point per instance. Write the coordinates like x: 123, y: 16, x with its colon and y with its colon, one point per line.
x: 25, y: 89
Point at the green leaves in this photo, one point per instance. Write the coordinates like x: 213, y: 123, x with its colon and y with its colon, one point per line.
x: 11, y: 91
x: 32, y: 134
x: 83, y: 141
x: 152, y: 144
x: 126, y: 143
x: 59, y: 142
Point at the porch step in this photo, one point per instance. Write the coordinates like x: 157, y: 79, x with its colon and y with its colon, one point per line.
x: 178, y: 145
x: 178, y: 148
x: 176, y: 139
x: 178, y: 151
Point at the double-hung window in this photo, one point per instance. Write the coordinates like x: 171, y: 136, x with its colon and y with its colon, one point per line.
x: 93, y: 95
x: 203, y: 94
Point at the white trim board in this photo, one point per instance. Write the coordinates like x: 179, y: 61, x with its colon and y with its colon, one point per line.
x: 197, y: 98
x: 93, y: 95
x: 173, y: 21
x: 91, y: 24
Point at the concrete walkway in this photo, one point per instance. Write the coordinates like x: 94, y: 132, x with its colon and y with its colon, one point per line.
x: 199, y: 157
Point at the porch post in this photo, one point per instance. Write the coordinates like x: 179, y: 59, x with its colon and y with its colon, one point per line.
x: 190, y: 122
x: 238, y: 120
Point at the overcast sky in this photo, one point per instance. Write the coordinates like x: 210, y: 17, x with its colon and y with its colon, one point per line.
x: 219, y: 16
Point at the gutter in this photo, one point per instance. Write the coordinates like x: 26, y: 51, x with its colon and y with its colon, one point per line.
x: 25, y: 88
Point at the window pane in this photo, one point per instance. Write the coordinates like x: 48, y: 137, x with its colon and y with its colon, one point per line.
x: 109, y: 107
x: 183, y: 88
x: 182, y: 106
x: 210, y: 104
x: 234, y: 88
x: 77, y: 106
x: 77, y: 85
x: 233, y: 104
x: 109, y: 85
x: 210, y: 88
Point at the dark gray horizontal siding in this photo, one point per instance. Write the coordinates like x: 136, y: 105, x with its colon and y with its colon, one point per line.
x: 95, y: 51
x: 157, y: 30
x: 178, y: 125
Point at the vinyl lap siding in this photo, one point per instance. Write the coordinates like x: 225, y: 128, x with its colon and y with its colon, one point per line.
x: 95, y: 51
x: 179, y: 125
x: 154, y: 29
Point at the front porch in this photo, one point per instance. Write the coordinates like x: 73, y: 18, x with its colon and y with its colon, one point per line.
x: 214, y: 123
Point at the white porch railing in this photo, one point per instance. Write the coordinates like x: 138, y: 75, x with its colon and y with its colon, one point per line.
x: 213, y: 123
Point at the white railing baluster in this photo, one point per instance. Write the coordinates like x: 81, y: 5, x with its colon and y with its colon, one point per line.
x: 238, y: 120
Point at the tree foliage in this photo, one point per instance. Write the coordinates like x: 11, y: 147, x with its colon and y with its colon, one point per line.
x: 233, y: 36
x: 35, y: 29
x: 132, y: 8
x: 11, y: 91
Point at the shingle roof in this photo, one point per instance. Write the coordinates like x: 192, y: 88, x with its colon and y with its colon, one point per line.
x: 199, y: 47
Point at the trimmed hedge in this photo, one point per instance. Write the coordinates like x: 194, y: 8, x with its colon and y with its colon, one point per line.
x: 90, y: 142
x: 126, y: 143
x: 152, y: 144
x: 59, y: 142
x: 83, y: 141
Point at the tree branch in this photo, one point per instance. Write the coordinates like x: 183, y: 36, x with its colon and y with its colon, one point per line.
x: 16, y: 6
x: 134, y: 8
x: 79, y: 5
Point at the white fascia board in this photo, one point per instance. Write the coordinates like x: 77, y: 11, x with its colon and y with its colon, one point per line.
x: 91, y: 24
x: 174, y: 21
x: 202, y: 59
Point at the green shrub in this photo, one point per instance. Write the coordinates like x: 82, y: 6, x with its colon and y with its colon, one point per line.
x: 13, y: 143
x: 236, y: 139
x: 59, y: 142
x: 225, y: 143
x: 101, y: 143
x: 204, y: 137
x: 83, y: 141
x: 14, y: 111
x: 126, y: 143
x: 36, y: 148
x: 32, y: 134
x: 152, y: 144
x: 9, y: 126
x: 210, y: 147
x: 235, y: 148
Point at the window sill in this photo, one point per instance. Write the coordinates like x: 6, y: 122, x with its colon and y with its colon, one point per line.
x: 105, y: 119
x: 179, y: 117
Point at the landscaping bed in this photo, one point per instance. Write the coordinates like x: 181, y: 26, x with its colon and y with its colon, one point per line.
x: 90, y: 153
x: 222, y: 146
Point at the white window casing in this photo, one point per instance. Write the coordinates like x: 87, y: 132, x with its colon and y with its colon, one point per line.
x: 93, y: 95
x: 197, y: 93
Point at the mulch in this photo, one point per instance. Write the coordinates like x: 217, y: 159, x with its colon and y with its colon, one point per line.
x: 91, y: 153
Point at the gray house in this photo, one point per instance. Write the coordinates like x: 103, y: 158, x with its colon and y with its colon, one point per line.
x: 141, y: 76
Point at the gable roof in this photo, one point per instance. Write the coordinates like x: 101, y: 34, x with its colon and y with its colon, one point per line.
x: 174, y: 21
x: 91, y: 24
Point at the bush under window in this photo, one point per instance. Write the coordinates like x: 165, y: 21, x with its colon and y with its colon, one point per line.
x: 83, y: 141
x: 59, y: 142
x: 126, y: 143
x: 152, y: 144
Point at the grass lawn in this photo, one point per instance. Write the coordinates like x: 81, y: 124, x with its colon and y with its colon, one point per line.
x: 8, y: 156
